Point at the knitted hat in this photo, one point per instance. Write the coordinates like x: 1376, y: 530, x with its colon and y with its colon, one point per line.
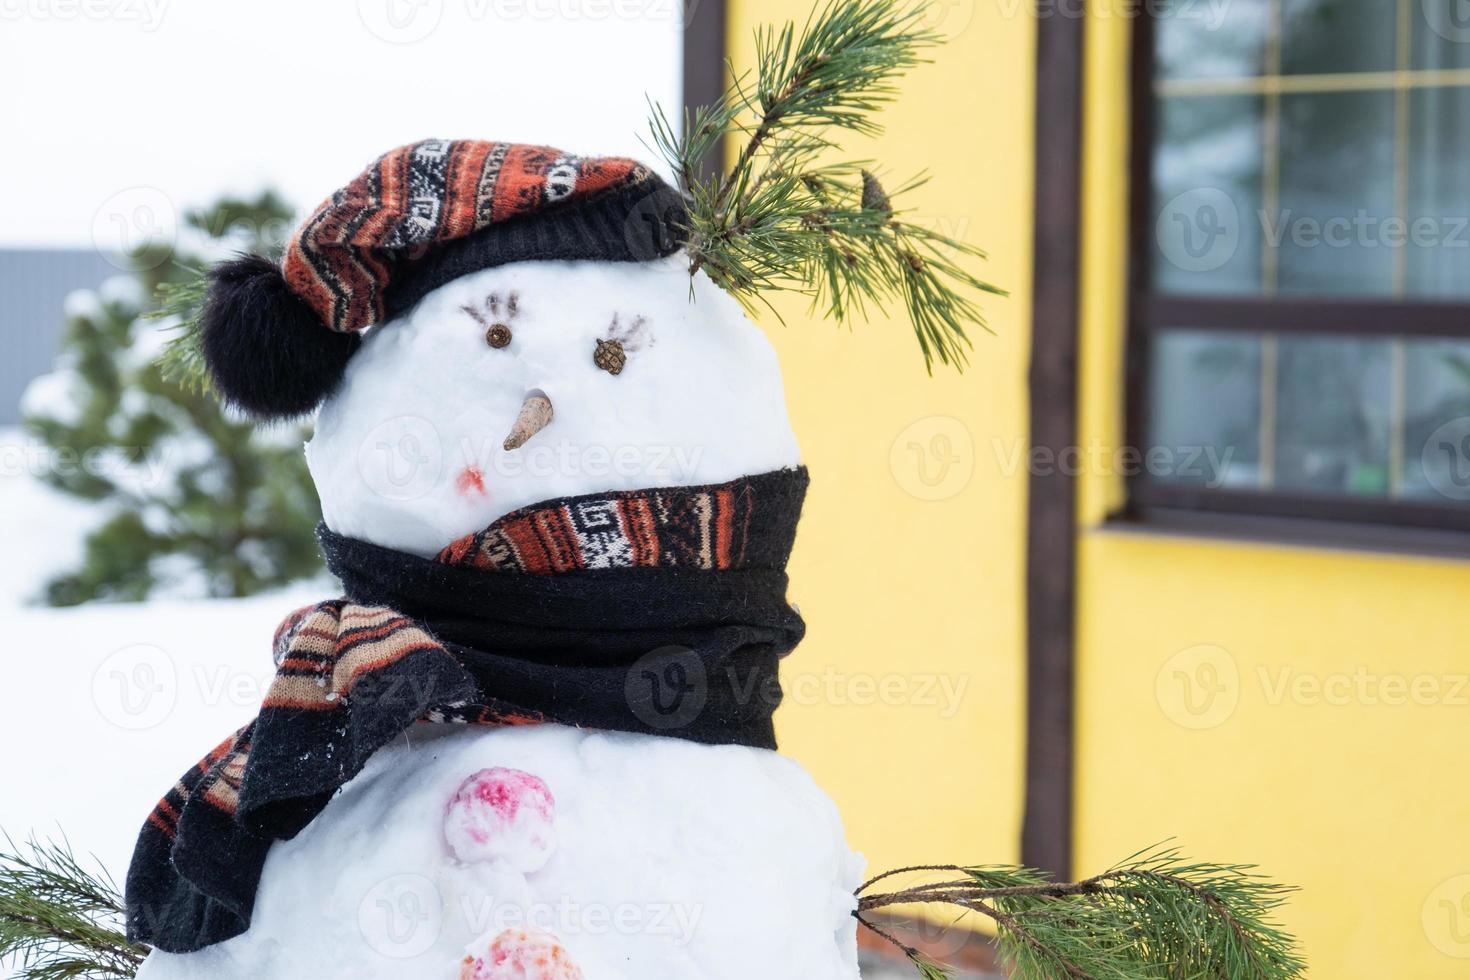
x: 277, y: 340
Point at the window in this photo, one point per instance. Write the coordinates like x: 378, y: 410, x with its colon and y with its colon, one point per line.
x: 1300, y: 285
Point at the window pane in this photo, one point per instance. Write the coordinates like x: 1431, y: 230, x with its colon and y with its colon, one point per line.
x: 1327, y: 36
x: 1337, y: 190
x: 1441, y: 34
x: 1437, y: 419
x: 1207, y: 192
x: 1205, y: 402
x: 1334, y: 426
x: 1438, y: 240
x: 1348, y: 175
x: 1333, y: 414
x: 1211, y: 40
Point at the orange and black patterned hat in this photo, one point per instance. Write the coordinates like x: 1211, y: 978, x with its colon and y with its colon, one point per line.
x: 277, y: 339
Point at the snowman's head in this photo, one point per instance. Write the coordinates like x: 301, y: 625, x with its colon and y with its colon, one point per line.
x: 536, y: 380
x: 488, y: 325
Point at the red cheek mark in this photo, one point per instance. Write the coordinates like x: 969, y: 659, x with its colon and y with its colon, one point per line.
x: 471, y: 480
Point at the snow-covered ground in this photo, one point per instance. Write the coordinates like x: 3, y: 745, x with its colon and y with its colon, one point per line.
x: 41, y: 530
x: 105, y: 705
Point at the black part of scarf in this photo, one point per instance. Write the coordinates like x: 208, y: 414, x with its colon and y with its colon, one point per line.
x: 687, y: 653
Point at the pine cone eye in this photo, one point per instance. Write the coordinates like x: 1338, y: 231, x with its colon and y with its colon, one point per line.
x: 610, y: 356
x: 498, y: 336
x: 487, y: 315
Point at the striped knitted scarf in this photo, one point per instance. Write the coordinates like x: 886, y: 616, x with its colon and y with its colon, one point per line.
x: 659, y: 611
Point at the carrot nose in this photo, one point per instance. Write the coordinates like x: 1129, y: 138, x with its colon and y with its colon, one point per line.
x: 535, y: 415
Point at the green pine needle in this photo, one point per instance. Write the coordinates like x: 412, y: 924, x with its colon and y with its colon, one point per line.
x: 1156, y: 916
x: 60, y: 920
x: 928, y: 969
x: 182, y: 360
x: 782, y: 219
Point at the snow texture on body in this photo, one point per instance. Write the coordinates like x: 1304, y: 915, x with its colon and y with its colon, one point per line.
x: 672, y: 861
x: 408, y: 453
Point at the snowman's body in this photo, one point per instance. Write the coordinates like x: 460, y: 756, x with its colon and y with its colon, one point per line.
x: 668, y: 861
x: 543, y: 852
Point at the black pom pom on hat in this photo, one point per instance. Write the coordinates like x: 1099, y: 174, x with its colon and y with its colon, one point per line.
x: 266, y: 349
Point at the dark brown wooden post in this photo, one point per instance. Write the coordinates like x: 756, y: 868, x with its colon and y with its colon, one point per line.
x: 1046, y: 834
x: 704, y: 60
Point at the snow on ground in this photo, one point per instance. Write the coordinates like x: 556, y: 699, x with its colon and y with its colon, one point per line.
x: 105, y: 705
x: 42, y: 529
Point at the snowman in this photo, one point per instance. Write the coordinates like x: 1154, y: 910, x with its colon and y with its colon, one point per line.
x: 533, y: 740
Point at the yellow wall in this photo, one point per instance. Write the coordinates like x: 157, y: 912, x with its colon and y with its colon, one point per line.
x: 1352, y: 790
x: 897, y: 589
x: 1360, y: 799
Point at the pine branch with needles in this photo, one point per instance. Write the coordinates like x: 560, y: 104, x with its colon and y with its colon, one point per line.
x: 1155, y: 916
x: 181, y: 302
x: 786, y: 218
x: 58, y: 919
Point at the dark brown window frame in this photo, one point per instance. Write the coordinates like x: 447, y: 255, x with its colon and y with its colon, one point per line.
x: 1271, y: 515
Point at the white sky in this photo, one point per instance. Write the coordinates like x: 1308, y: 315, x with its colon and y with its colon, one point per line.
x: 115, y: 114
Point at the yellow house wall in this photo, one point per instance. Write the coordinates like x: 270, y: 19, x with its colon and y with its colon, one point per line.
x: 905, y: 700
x: 1333, y: 751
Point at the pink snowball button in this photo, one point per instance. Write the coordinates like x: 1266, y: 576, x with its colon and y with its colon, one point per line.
x: 503, y: 815
x: 521, y: 954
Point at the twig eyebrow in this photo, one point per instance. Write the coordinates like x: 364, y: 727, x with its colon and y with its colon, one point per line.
x: 491, y: 304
